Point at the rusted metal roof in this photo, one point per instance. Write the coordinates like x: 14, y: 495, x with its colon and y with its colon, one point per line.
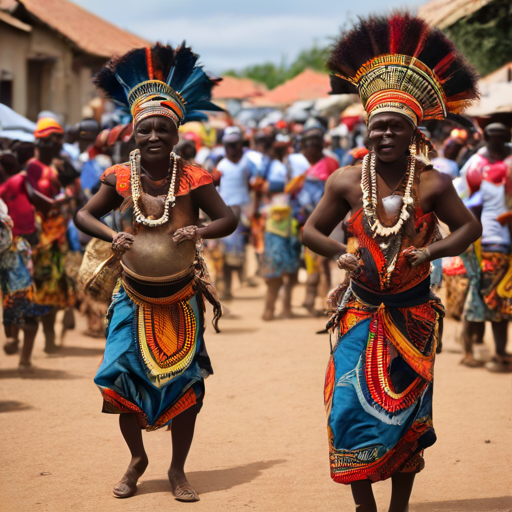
x: 503, y: 74
x: 88, y: 32
x: 14, y: 22
x: 309, y: 85
x: 238, y: 88
x: 445, y: 13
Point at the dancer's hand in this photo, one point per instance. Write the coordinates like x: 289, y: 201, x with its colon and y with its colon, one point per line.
x: 121, y: 243
x: 186, y: 233
x: 349, y: 263
x: 416, y: 257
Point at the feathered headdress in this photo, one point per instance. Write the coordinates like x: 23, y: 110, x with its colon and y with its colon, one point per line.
x: 401, y: 64
x: 158, y: 81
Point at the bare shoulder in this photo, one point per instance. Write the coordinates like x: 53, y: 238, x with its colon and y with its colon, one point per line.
x: 433, y: 180
x: 345, y: 178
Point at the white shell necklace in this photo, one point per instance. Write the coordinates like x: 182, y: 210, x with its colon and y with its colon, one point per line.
x: 170, y: 199
x: 369, y: 188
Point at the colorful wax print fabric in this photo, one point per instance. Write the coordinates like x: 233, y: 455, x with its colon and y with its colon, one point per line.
x: 282, y: 250
x: 378, y: 385
x: 17, y: 284
x: 151, y: 366
x: 379, y: 380
x: 496, y: 286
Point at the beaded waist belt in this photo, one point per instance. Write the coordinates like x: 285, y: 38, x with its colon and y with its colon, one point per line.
x: 148, y: 280
x: 141, y: 299
x: 144, y: 290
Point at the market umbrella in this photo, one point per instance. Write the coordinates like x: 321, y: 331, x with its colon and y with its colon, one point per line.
x: 14, y: 126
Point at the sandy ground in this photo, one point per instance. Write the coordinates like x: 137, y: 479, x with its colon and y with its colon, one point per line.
x: 261, y: 439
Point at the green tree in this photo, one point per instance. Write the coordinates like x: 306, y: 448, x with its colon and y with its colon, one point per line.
x: 485, y: 37
x: 313, y: 58
x: 273, y: 75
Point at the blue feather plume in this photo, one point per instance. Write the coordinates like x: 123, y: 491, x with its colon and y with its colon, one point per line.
x: 177, y: 67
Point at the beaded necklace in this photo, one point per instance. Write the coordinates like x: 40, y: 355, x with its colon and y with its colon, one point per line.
x: 170, y: 199
x: 369, y: 188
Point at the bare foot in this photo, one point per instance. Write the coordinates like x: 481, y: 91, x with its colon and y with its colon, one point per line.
x: 181, y: 489
x: 499, y: 364
x: 312, y: 311
x: 127, y: 486
x: 267, y: 315
x: 26, y: 367
x: 11, y: 346
x: 469, y: 361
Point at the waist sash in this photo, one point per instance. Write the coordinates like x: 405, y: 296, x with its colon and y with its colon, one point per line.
x: 415, y: 296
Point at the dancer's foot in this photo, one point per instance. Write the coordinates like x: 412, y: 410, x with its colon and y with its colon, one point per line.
x: 51, y: 348
x: 499, y: 364
x: 312, y: 311
x: 267, y: 315
x: 127, y: 486
x: 287, y: 313
x: 11, y: 346
x: 94, y: 334
x: 469, y: 361
x: 181, y: 489
x: 26, y: 367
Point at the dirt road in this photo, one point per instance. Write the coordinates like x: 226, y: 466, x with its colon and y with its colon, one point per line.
x: 261, y: 440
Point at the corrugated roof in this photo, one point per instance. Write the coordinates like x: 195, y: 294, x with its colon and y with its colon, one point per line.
x: 88, y: 32
x: 14, y: 22
x: 503, y: 74
x: 309, y: 85
x: 238, y: 88
x: 445, y: 13
x: 8, y: 5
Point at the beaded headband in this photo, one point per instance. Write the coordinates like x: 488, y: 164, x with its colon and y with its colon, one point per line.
x: 155, y: 98
x: 400, y: 64
x: 159, y: 81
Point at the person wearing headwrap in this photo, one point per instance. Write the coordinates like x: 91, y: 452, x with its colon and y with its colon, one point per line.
x: 53, y: 287
x: 386, y: 321
x: 155, y: 360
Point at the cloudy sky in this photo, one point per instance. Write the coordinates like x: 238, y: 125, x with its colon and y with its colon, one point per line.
x: 231, y: 34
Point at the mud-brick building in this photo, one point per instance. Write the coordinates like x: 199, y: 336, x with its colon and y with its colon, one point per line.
x: 49, y: 50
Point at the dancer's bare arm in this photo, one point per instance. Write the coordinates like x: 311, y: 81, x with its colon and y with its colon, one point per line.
x: 103, y: 202
x: 438, y: 194
x: 342, y: 190
x: 223, y: 219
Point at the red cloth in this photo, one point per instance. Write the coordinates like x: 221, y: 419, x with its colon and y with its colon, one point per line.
x: 323, y: 169
x: 43, y: 178
x: 193, y: 177
x: 14, y: 193
x: 479, y: 169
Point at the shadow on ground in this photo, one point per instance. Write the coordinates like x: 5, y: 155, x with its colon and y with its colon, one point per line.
x: 502, y: 504
x: 65, y: 351
x: 256, y: 297
x: 13, y: 405
x: 36, y: 374
x: 214, y: 479
x: 237, y: 330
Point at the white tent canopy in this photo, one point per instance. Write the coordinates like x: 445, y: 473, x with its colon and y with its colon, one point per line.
x: 10, y: 120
